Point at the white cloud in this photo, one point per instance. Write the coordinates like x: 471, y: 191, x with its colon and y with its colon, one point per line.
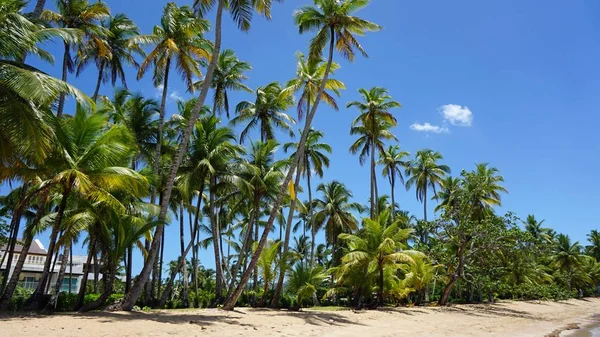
x: 457, y: 115
x: 426, y: 127
x: 175, y: 96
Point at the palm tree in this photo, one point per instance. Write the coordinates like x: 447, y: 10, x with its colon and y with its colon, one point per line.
x: 85, y: 17
x: 333, y: 21
x: 309, y: 74
x: 211, y: 152
x: 228, y: 76
x: 335, y: 213
x: 379, y: 245
x: 304, y: 281
x: 267, y: 264
x: 26, y: 92
x: 393, y: 161
x: 568, y: 257
x: 266, y: 112
x: 114, y: 53
x: 419, y: 273
x: 425, y: 173
x: 314, y: 160
x: 593, y: 249
x: 536, y: 229
x: 178, y: 41
x: 91, y: 162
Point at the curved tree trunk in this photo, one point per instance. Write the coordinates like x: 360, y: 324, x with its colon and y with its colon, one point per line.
x: 232, y: 300
x: 174, y: 272
x: 15, y: 225
x: 283, y: 266
x: 131, y: 297
x: 51, y: 306
x: 129, y: 271
x: 14, y: 279
x: 86, y: 271
x: 35, y: 298
x: 99, y: 81
x: 392, y: 184
x: 65, y: 71
x: 109, y: 280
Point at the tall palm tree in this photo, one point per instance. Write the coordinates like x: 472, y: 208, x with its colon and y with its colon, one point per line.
x: 378, y: 246
x: 83, y: 16
x: 372, y: 125
x: 228, y: 76
x: 393, y: 162
x: 593, y: 249
x: 314, y: 160
x: 335, y: 213
x: 309, y: 74
x: 177, y: 42
x: 425, y: 173
x: 210, y: 155
x: 337, y: 26
x: 110, y: 56
x: 266, y: 112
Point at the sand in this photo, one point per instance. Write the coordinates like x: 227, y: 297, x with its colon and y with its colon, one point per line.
x: 518, y: 319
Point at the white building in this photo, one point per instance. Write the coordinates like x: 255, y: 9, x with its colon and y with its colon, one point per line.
x: 34, y: 264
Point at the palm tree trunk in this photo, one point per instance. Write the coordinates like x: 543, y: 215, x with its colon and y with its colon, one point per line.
x: 70, y: 270
x: 39, y: 291
x: 39, y: 7
x: 184, y: 294
x: 129, y: 271
x: 96, y: 271
x: 381, y: 284
x: 197, y: 239
x: 14, y: 279
x: 215, y: 237
x: 161, y: 263
x: 245, y: 245
x: 15, y: 225
x: 86, y: 271
x: 232, y: 300
x: 256, y: 229
x: 286, y: 243
x: 109, y: 280
x: 392, y: 183
x: 131, y: 297
x: 174, y: 272
x: 65, y: 70
x: 51, y: 306
x: 99, y: 81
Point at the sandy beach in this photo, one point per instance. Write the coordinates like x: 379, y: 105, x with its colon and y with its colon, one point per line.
x: 518, y: 319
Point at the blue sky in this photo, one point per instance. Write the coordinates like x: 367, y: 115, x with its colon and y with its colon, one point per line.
x: 512, y: 83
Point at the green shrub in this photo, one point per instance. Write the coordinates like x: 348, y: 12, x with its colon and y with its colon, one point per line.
x: 19, y: 298
x: 66, y: 302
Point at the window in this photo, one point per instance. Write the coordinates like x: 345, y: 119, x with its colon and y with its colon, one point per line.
x: 29, y: 282
x: 64, y: 287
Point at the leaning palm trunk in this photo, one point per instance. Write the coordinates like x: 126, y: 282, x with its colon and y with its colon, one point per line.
x: 283, y: 264
x: 35, y: 298
x: 109, y: 280
x: 174, y: 272
x: 136, y: 290
x: 51, y: 306
x: 86, y: 270
x: 13, y: 238
x: 99, y: 81
x: 65, y: 71
x: 14, y: 279
x: 245, y: 245
x: 231, y: 301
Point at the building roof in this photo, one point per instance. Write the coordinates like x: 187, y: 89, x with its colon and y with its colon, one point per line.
x: 37, y: 248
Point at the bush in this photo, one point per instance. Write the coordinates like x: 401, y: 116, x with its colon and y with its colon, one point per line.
x: 536, y: 292
x: 203, y: 299
x: 66, y: 302
x: 19, y: 298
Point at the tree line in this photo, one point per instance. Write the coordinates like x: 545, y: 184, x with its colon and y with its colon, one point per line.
x: 112, y: 170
